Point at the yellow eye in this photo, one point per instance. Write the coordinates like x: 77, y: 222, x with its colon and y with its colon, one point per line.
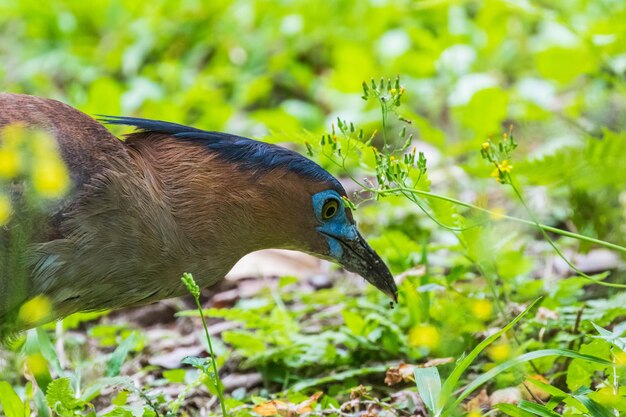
x: 331, y: 207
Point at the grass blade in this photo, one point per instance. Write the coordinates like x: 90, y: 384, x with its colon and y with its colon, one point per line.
x: 114, y: 365
x: 11, y: 403
x: 595, y: 409
x: 520, y: 360
x: 428, y: 384
x: 513, y: 411
x: 538, y: 409
x: 455, y: 376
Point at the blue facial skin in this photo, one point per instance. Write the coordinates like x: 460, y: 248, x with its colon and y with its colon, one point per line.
x: 338, y: 226
x: 348, y: 247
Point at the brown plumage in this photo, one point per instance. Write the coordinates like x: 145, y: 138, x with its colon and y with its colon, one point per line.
x: 144, y: 210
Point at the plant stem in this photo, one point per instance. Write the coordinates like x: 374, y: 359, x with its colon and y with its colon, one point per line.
x: 216, y: 380
x: 553, y: 244
x: 540, y: 226
x: 384, y: 114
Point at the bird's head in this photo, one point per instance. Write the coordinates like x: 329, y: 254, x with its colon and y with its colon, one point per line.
x: 318, y: 221
x: 265, y: 196
x: 344, y: 242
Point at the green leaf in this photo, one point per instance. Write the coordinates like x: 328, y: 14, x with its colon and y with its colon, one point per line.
x: 560, y: 394
x: 581, y: 167
x: 580, y: 374
x: 175, y: 375
x: 428, y: 384
x: 61, y: 397
x: 537, y: 409
x: 119, y: 412
x: 341, y: 376
x: 354, y: 322
x: 199, y: 363
x: 11, y: 403
x: 37, y: 343
x: 552, y: 390
x: 485, y: 111
x: 513, y: 411
x: 595, y: 409
x: 455, y: 376
x: 248, y: 342
x: 48, y: 351
x: 92, y: 390
x: 565, y: 64
x: 610, y: 337
x: 40, y: 404
x: 287, y: 280
x: 114, y: 364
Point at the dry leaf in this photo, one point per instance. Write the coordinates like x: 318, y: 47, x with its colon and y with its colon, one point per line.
x: 284, y: 409
x: 372, y: 411
x: 535, y: 390
x: 397, y: 374
x: 506, y: 396
x: 269, y: 408
x: 306, y: 406
x: 357, y: 392
x: 404, y: 372
x: 544, y: 315
x: 437, y: 362
x: 479, y: 402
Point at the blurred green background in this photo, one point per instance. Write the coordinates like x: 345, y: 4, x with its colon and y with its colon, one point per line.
x: 250, y: 66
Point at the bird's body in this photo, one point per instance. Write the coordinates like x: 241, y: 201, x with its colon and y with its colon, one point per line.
x: 167, y: 200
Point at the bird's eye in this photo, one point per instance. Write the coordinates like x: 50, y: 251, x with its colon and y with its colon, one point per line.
x: 331, y: 207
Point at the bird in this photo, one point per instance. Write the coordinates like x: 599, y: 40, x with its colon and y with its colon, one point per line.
x: 165, y: 200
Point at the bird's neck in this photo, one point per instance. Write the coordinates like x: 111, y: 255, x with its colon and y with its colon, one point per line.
x: 219, y: 212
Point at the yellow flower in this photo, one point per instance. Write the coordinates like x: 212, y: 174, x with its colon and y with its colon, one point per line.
x: 424, y: 336
x: 50, y: 178
x: 482, y: 309
x: 474, y: 413
x: 10, y: 163
x: 402, y: 90
x: 505, y: 136
x: 393, y: 91
x: 13, y: 135
x: 5, y: 209
x: 35, y: 310
x: 37, y: 364
x: 500, y: 352
x: 485, y: 145
x: 495, y: 173
x: 619, y: 358
x: 504, y: 166
x: 607, y: 396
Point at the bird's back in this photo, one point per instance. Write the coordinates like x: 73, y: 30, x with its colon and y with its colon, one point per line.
x: 85, y: 145
x: 87, y: 149
x: 114, y: 240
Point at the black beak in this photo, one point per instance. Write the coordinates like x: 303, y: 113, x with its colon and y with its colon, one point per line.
x: 359, y: 257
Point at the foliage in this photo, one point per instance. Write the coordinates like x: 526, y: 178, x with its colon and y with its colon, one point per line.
x: 472, y: 254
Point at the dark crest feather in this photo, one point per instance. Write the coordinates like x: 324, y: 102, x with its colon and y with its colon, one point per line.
x: 247, y: 153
